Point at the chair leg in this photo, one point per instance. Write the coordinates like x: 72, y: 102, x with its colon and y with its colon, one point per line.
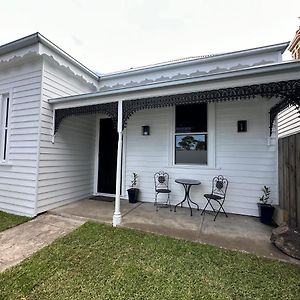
x: 208, y: 203
x: 155, y: 202
x: 220, y: 208
x: 216, y: 214
x: 212, y: 206
x: 203, y: 210
x: 169, y: 202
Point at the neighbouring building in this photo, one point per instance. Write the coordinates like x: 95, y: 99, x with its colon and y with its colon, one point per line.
x: 289, y: 119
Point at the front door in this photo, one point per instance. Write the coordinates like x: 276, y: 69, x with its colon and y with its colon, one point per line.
x: 107, y: 162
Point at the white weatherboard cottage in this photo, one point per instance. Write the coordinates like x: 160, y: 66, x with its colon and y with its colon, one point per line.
x: 67, y: 133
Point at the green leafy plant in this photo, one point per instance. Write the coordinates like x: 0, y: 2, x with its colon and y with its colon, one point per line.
x: 134, y: 180
x: 266, y: 195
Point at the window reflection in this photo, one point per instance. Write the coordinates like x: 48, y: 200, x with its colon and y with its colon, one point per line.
x: 191, y: 149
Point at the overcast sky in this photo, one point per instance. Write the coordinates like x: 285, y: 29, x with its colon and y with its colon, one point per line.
x: 111, y: 35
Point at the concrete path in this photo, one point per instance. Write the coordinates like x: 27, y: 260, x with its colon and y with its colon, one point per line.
x: 236, y: 232
x: 21, y: 241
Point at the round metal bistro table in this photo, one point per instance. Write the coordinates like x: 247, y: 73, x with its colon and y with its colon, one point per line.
x: 187, y: 184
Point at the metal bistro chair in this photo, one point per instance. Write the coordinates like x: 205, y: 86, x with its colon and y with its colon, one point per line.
x: 161, y: 182
x: 218, y: 194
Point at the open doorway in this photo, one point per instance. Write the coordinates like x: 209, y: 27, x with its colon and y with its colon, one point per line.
x: 107, y: 157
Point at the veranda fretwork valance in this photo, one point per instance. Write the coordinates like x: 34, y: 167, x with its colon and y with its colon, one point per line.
x: 287, y: 91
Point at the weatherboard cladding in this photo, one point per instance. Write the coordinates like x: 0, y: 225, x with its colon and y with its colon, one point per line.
x: 66, y: 168
x: 288, y: 122
x: 246, y: 159
x: 18, y: 176
x: 292, y: 100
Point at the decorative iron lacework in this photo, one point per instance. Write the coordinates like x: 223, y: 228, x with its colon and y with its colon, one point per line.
x: 288, y: 91
x: 283, y: 89
x: 109, y: 109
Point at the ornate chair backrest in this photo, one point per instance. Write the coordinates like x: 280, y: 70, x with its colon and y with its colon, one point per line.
x: 219, y: 186
x: 161, y: 180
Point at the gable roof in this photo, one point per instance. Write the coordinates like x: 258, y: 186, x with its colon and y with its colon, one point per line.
x: 39, y: 38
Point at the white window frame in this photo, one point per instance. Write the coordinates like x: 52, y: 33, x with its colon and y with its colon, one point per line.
x: 211, y: 139
x: 5, y: 115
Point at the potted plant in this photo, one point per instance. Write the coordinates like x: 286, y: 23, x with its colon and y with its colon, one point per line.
x: 266, y: 209
x: 133, y: 192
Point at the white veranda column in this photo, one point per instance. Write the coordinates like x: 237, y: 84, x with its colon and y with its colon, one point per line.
x: 117, y: 214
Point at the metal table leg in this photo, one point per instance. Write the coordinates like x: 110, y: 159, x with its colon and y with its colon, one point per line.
x: 187, y: 198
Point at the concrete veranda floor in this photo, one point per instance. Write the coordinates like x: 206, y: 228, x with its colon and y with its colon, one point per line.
x: 236, y: 232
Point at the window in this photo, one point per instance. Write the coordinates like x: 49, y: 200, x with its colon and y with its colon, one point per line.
x: 191, y: 134
x: 4, y: 121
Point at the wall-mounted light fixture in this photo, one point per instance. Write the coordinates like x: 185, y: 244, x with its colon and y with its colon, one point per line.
x: 242, y: 126
x: 146, y: 130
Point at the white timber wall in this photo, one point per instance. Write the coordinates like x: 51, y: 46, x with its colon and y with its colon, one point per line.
x: 288, y: 122
x: 18, y: 177
x: 248, y: 160
x: 66, y: 168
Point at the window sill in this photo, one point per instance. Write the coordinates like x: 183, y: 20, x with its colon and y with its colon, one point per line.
x: 202, y: 167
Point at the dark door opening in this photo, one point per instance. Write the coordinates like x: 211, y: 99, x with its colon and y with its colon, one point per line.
x: 107, y: 162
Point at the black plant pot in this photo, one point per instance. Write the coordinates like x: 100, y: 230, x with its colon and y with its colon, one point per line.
x: 266, y: 213
x: 133, y: 194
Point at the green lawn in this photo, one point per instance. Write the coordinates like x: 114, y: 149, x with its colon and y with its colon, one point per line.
x: 9, y: 220
x: 100, y: 262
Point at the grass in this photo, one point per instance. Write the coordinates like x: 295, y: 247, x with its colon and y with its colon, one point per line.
x: 9, y: 220
x: 100, y: 262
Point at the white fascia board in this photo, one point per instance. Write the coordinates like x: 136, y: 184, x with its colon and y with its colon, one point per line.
x: 32, y: 41
x: 280, y: 48
x: 19, y: 44
x: 44, y: 41
x: 254, y: 75
x: 55, y: 58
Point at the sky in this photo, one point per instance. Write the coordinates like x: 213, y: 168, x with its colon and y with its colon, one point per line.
x: 113, y: 35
